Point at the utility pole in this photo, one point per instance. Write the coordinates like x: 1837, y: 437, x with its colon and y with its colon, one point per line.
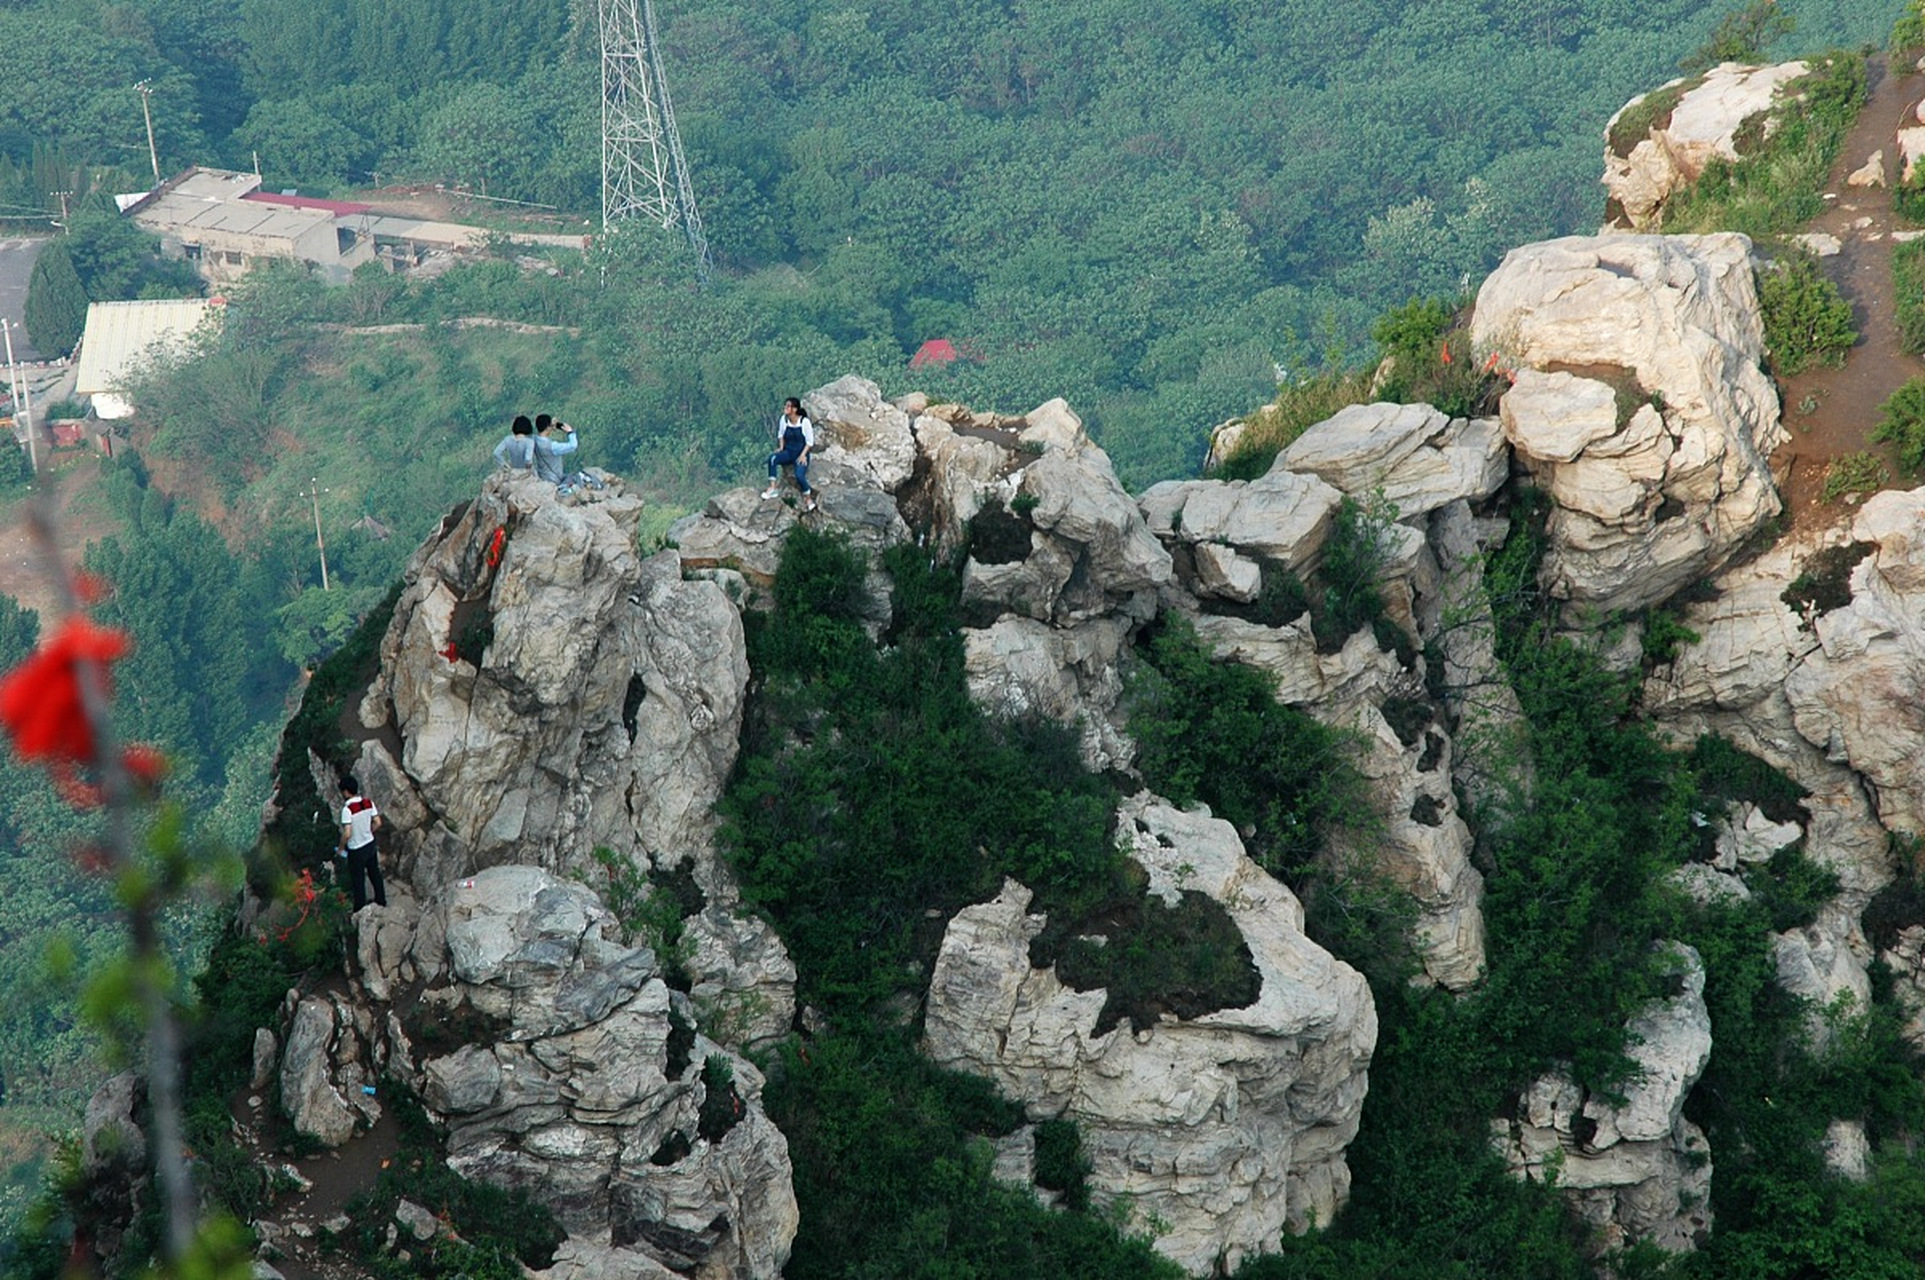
x: 146, y: 91
x: 22, y: 398
x: 314, y: 493
x: 62, y: 197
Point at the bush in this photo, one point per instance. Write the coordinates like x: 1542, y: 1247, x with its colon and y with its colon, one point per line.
x: 1824, y: 583
x: 1901, y: 422
x: 1060, y: 1162
x: 1215, y: 732
x: 1652, y: 111
x: 301, y: 835
x: 1355, y: 555
x: 1414, y: 331
x: 1428, y: 359
x: 1908, y: 33
x: 1807, y: 321
x: 1153, y: 959
x: 1861, y: 472
x: 1908, y: 283
x: 892, y: 1174
x: 1727, y: 775
x: 1742, y: 36
x: 874, y: 799
x: 498, y: 1229
x: 1664, y: 634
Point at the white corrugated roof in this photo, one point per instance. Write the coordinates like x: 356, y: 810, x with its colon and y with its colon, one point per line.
x: 120, y: 334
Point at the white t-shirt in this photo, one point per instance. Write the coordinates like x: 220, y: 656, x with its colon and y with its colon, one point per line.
x: 358, y: 816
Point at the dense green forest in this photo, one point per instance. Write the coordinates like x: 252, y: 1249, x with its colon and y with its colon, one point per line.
x: 1145, y: 207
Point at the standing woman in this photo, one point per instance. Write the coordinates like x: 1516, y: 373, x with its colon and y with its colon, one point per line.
x: 794, y: 437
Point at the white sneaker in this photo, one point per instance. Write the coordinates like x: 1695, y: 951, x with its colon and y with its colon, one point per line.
x: 769, y: 493
x: 808, y: 505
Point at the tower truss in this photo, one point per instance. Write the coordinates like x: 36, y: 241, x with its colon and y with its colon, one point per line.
x: 644, y: 173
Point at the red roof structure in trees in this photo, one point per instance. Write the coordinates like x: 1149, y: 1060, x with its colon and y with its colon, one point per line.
x: 936, y: 351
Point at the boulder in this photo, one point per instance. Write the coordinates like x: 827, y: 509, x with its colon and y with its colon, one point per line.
x: 1421, y: 841
x: 742, y: 978
x: 1020, y: 667
x: 1712, y: 110
x: 1637, y: 1171
x: 1911, y: 146
x: 314, y: 1104
x: 1220, y: 1131
x: 1282, y: 516
x: 862, y: 440
x: 111, y: 1140
x: 1872, y: 172
x: 1663, y: 488
x: 1419, y: 459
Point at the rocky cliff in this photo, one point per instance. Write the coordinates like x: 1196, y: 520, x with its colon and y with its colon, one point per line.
x: 554, y: 702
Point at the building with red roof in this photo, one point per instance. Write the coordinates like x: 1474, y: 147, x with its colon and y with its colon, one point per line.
x: 935, y: 353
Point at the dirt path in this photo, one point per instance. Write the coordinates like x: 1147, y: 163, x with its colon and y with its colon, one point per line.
x: 81, y: 518
x: 1831, y: 412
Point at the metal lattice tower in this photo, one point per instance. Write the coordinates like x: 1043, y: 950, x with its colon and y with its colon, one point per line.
x: 644, y: 173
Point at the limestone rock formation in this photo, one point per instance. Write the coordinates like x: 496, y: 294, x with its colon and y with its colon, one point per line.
x: 1709, y: 117
x: 1640, y: 1170
x: 1223, y: 1130
x: 1856, y: 695
x: 1419, y: 459
x: 547, y: 692
x: 580, y: 1079
x: 1639, y: 403
x: 1227, y: 537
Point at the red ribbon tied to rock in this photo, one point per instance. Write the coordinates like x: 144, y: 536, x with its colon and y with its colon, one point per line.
x: 495, y: 545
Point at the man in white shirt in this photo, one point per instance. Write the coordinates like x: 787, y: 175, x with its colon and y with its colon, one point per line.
x: 359, y: 821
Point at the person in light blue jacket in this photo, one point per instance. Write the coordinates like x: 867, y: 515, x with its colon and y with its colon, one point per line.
x: 554, y: 440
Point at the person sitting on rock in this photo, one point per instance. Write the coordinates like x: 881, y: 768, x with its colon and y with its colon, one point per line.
x: 359, y: 821
x: 554, y: 440
x: 517, y: 449
x: 794, y: 437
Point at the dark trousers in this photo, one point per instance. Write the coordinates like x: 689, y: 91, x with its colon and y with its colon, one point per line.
x: 364, y: 868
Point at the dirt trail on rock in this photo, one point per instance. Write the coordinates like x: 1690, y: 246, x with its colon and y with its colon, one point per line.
x: 1831, y: 412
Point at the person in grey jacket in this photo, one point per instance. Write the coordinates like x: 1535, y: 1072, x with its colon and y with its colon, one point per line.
x: 517, y: 449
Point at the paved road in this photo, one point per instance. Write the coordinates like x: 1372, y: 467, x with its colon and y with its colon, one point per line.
x: 16, y: 264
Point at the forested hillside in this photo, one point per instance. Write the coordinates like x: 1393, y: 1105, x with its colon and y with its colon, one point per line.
x: 1144, y: 207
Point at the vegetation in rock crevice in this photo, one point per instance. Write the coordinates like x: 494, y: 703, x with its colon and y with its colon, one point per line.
x: 873, y: 800
x: 1777, y: 183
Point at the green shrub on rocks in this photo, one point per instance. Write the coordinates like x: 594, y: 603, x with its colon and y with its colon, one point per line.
x: 1776, y: 185
x: 1901, y: 422
x: 1807, y: 321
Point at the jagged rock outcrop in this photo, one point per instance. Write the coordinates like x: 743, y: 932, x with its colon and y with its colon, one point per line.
x: 1639, y: 1170
x: 1639, y: 403
x: 1857, y: 694
x: 578, y: 1076
x: 1222, y: 1130
x: 1709, y: 117
x: 547, y: 692
x: 1277, y: 525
